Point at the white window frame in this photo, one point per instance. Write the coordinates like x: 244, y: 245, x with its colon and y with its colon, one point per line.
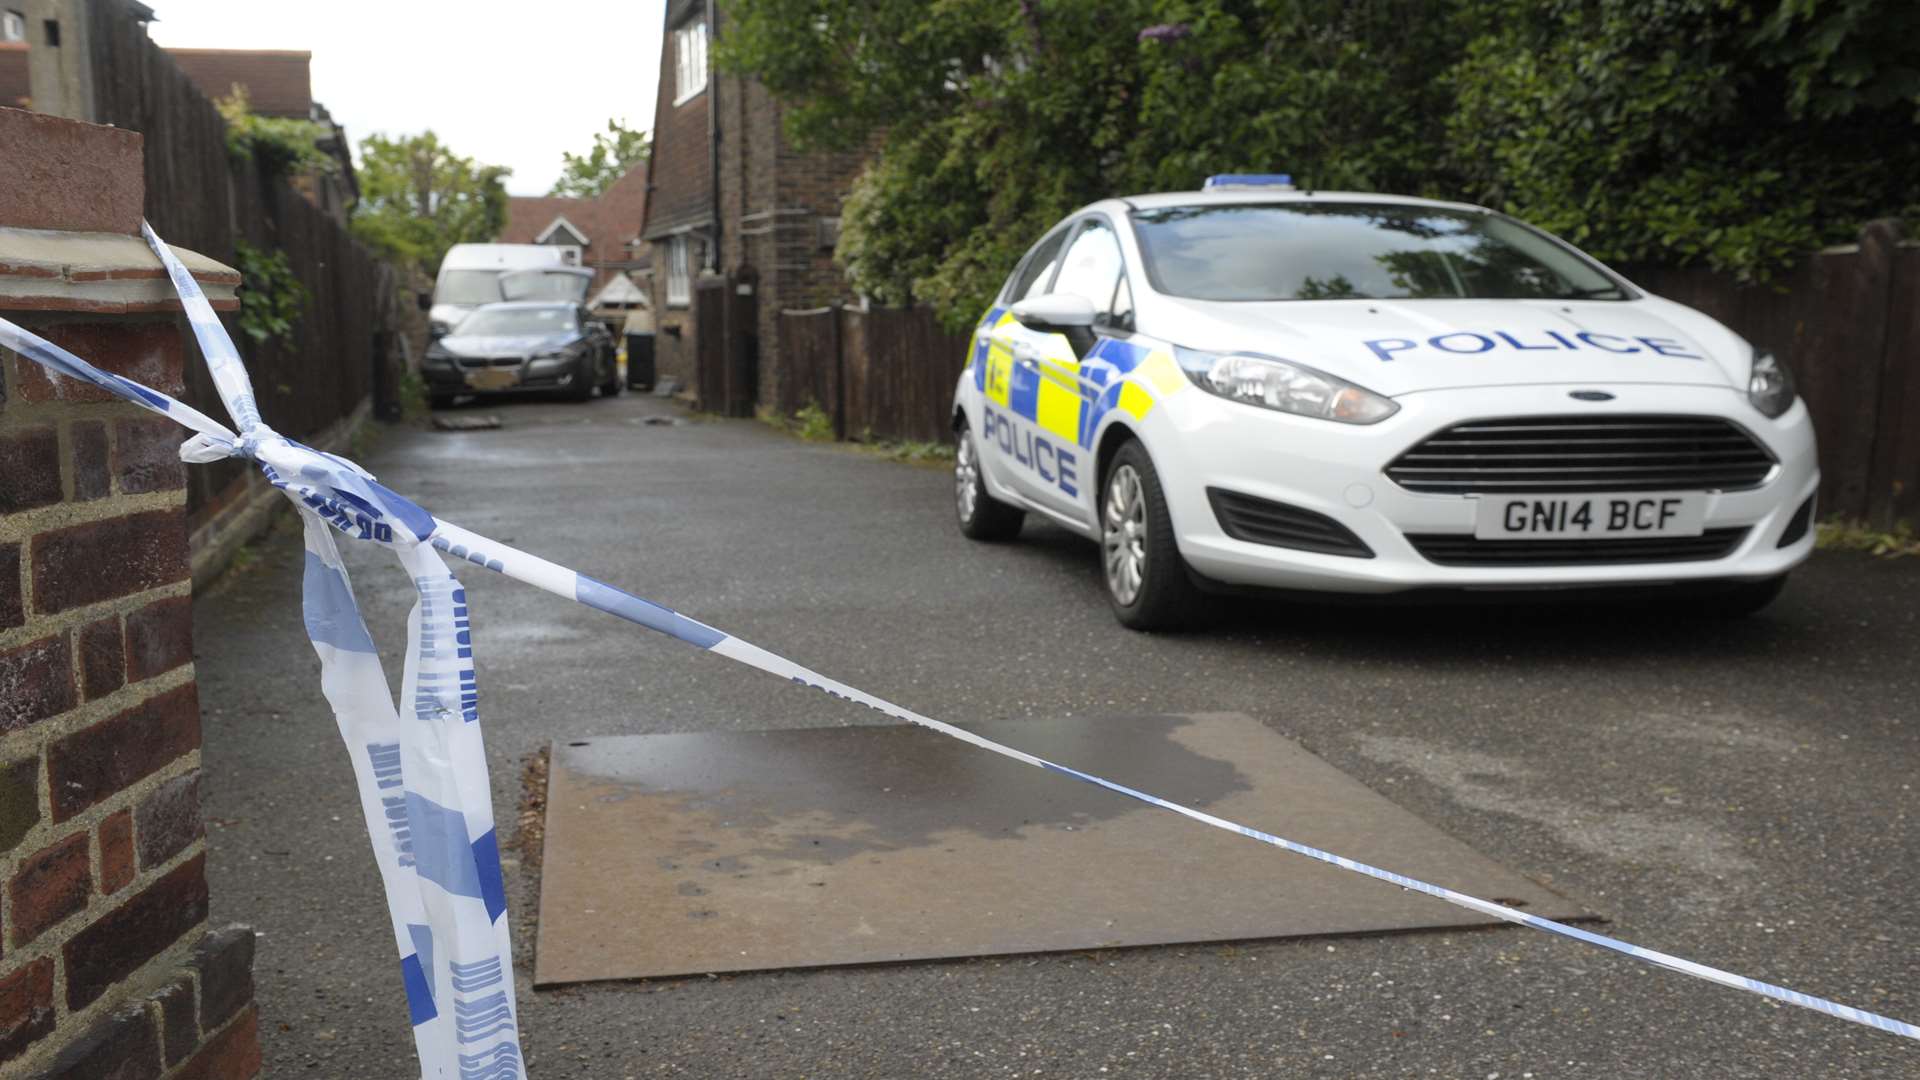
x: 679, y: 273
x: 13, y: 25
x: 689, y: 61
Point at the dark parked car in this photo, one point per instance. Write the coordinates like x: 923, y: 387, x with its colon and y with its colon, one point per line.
x: 523, y: 346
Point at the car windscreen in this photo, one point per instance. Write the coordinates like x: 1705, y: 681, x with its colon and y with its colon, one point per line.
x: 504, y: 321
x: 1333, y: 251
x: 568, y: 285
x: 468, y: 287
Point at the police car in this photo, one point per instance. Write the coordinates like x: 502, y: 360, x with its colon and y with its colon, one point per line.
x: 1259, y: 386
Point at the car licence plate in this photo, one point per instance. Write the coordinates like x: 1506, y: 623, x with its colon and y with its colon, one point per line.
x: 493, y: 378
x: 1588, y: 517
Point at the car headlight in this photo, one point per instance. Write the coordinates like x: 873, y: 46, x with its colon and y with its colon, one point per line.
x: 437, y: 356
x: 547, y: 361
x: 1770, y: 386
x: 1273, y: 383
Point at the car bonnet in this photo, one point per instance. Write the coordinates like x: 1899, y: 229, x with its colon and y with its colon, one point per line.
x: 1396, y: 347
x: 505, y: 344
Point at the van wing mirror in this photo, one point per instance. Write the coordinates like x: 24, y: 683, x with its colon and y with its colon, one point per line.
x: 1059, y: 313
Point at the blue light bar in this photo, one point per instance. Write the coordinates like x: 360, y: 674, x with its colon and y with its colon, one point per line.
x: 1248, y: 180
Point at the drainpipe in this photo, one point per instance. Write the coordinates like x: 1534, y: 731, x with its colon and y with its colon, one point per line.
x: 713, y: 128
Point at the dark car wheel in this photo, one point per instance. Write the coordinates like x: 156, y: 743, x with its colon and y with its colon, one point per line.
x: 1147, y: 582
x: 610, y: 386
x: 439, y: 401
x: 982, y: 517
x: 581, y: 388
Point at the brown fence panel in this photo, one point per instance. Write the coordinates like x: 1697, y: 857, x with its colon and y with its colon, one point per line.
x: 1893, y: 481
x: 201, y: 197
x: 900, y: 372
x: 810, y: 354
x: 1845, y: 322
x: 856, y: 375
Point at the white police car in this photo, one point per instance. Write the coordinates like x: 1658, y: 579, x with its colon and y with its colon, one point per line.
x: 1254, y: 385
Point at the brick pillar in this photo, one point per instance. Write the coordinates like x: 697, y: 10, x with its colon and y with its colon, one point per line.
x: 107, y: 967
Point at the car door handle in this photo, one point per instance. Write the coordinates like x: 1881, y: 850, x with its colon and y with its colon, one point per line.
x: 1024, y: 356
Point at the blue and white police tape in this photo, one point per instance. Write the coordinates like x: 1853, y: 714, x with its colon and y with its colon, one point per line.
x: 336, y: 492
x: 421, y: 768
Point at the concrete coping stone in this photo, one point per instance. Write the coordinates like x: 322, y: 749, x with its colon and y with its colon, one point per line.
x: 100, y: 273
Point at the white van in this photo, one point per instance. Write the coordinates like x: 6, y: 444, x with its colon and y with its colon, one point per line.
x: 476, y: 274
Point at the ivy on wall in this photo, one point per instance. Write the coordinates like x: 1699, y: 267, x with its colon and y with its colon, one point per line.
x: 271, y: 297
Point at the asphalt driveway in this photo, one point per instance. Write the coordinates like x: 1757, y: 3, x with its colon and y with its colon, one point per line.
x: 1736, y: 793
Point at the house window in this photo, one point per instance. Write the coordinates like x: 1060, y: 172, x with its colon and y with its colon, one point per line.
x: 689, y: 61
x: 679, y: 274
x: 13, y: 26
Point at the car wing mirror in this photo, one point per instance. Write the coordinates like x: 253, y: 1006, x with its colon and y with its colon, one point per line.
x: 1059, y: 313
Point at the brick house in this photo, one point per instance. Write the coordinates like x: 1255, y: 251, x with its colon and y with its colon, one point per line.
x: 603, y: 232
x: 733, y: 201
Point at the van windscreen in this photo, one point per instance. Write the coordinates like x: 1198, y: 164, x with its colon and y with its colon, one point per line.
x: 468, y: 287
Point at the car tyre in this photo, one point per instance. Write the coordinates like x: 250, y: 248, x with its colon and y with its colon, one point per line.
x: 1740, y: 600
x: 982, y: 517
x: 581, y: 388
x: 611, y: 386
x: 1147, y: 581
x: 439, y: 401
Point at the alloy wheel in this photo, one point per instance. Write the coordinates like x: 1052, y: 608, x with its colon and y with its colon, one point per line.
x: 966, y: 477
x: 1124, y: 535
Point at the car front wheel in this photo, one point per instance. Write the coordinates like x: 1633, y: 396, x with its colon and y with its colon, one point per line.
x: 1147, y: 581
x: 581, y: 386
x: 982, y: 517
x: 610, y: 386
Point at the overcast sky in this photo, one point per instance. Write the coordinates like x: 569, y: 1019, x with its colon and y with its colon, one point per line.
x: 512, y: 84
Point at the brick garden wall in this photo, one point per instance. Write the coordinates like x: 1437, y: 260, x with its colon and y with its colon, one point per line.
x: 106, y: 966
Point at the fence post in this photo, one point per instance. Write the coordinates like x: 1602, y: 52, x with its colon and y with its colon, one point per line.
x: 838, y: 314
x: 1893, y: 463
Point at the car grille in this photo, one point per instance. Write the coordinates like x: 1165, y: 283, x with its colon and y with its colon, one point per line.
x: 1259, y: 521
x: 1544, y: 454
x: 491, y: 361
x: 1456, y: 549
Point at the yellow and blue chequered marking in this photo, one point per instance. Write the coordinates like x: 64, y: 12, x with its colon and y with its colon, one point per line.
x: 1066, y: 397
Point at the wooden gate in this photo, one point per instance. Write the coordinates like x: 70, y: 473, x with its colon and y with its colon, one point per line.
x: 726, y: 344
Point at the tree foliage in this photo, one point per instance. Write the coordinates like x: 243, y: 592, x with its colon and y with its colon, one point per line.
x: 1739, y: 134
x: 585, y: 175
x: 418, y: 198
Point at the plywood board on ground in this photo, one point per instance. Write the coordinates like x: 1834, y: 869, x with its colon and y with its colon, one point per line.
x: 670, y: 855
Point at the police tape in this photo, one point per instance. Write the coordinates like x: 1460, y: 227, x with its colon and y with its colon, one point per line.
x: 420, y: 767
x: 423, y: 786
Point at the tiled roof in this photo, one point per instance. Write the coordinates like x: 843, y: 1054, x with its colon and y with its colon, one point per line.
x: 279, y: 83
x: 609, y: 220
x: 529, y: 215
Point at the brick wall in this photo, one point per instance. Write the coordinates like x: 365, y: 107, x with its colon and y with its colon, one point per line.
x: 679, y: 196
x: 106, y: 965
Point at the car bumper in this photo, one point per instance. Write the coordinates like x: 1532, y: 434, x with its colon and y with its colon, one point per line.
x: 1339, y: 471
x: 453, y: 381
